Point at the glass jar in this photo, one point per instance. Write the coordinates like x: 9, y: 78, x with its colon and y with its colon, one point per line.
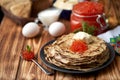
x: 88, y: 17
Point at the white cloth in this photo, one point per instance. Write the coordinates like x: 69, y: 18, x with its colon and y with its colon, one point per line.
x: 110, y: 34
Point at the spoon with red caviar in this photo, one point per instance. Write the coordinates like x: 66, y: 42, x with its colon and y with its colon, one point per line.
x: 28, y: 55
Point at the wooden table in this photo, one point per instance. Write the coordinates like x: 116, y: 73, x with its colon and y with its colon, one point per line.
x: 12, y: 67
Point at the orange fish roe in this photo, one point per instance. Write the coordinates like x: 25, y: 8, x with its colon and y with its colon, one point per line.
x: 88, y: 8
x: 78, y: 46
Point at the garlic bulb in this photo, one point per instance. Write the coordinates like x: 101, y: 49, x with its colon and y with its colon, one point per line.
x: 30, y: 30
x: 56, y: 29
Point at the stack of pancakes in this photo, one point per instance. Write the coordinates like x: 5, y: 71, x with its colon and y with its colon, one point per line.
x: 59, y: 53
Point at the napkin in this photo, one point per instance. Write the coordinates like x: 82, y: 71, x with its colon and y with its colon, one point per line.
x: 110, y: 34
x: 112, y: 37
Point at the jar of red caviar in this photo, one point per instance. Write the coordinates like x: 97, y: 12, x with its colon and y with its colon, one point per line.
x: 89, y: 17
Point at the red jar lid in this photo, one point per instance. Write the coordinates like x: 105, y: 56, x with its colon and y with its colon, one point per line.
x: 88, y: 8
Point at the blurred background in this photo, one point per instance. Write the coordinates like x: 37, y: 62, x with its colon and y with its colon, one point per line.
x: 1, y: 15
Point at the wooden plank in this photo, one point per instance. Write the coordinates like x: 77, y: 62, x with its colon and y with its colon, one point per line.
x: 65, y: 76
x: 12, y: 67
x: 111, y: 72
x: 10, y: 47
x: 116, y: 6
x: 112, y: 11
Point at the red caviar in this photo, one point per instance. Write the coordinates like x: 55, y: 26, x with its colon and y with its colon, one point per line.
x: 27, y: 54
x: 88, y: 8
x: 90, y: 12
x: 78, y: 46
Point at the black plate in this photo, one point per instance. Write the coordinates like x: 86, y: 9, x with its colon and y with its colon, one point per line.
x: 52, y: 66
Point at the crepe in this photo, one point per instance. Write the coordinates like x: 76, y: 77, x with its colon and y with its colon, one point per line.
x: 59, y: 53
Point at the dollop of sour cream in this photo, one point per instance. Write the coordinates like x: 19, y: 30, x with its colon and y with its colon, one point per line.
x: 83, y: 36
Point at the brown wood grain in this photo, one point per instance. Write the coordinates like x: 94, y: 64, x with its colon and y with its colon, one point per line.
x: 12, y: 42
x: 112, y: 11
x: 9, y: 49
x: 116, y: 5
x: 109, y: 73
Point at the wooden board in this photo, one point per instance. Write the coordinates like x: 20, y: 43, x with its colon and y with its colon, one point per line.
x: 12, y: 67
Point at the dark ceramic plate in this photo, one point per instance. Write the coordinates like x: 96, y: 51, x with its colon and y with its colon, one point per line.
x: 54, y: 67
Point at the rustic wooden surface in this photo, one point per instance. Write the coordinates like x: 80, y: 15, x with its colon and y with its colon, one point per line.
x: 12, y: 67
